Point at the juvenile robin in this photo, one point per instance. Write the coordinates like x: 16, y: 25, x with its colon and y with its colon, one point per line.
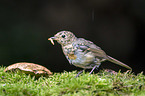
x: 82, y: 53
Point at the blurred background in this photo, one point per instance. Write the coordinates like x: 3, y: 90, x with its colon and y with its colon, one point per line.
x: 116, y: 26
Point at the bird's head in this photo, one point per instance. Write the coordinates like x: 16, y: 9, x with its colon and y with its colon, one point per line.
x: 63, y: 38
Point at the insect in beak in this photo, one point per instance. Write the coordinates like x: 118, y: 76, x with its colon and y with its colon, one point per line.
x: 51, y: 39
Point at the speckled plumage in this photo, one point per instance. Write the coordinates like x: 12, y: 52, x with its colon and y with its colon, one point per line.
x: 82, y: 53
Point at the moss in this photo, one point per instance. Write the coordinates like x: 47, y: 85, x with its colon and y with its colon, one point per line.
x: 100, y: 84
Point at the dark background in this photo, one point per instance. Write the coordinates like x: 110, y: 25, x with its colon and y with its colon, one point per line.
x: 117, y: 26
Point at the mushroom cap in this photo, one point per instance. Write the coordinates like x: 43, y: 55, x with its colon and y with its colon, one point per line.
x: 29, y: 68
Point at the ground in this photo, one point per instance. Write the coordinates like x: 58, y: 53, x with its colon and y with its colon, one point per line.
x: 103, y: 83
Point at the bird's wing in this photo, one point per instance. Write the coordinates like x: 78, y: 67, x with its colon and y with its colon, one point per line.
x: 87, y: 45
x: 101, y: 53
x: 98, y: 52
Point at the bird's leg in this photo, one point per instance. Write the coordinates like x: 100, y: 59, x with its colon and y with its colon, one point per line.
x: 79, y: 73
x: 93, y: 69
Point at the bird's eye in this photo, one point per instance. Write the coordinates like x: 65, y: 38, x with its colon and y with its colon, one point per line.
x: 63, y: 36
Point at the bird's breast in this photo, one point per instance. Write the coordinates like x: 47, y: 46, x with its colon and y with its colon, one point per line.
x: 72, y: 56
x: 81, y: 58
x: 77, y: 56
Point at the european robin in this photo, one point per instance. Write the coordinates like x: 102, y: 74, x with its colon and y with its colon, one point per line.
x: 82, y: 53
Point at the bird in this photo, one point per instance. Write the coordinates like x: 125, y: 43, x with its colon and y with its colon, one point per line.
x: 82, y: 53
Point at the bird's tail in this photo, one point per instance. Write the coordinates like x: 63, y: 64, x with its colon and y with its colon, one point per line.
x: 111, y: 59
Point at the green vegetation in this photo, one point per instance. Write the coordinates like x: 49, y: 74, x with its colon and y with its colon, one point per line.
x: 103, y: 83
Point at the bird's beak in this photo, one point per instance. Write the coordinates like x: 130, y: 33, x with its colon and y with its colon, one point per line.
x: 51, y: 39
